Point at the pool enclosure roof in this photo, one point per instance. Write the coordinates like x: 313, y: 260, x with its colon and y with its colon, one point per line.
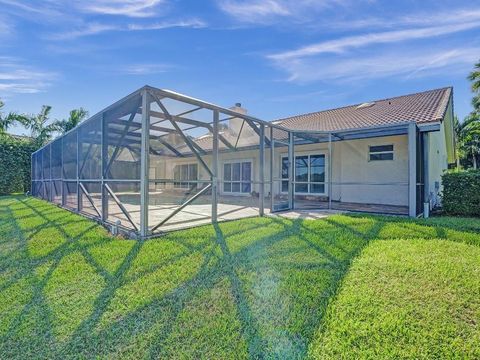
x: 313, y: 126
x: 102, y: 168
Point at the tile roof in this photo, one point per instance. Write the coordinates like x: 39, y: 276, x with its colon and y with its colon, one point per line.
x: 424, y: 107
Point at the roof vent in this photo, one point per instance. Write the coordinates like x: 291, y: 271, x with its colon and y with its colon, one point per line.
x: 365, y: 105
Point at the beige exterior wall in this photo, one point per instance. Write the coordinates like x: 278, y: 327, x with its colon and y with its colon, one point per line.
x: 354, y: 177
x: 440, y: 153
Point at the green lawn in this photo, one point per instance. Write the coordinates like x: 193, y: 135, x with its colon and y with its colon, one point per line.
x: 342, y: 287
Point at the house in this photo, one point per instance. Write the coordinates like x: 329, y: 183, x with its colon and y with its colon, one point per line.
x: 369, y: 155
x: 158, y: 160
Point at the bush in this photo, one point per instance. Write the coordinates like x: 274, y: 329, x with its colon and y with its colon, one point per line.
x: 15, y: 164
x: 461, y: 193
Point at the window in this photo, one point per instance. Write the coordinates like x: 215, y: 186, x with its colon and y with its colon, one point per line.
x: 237, y: 177
x: 380, y: 152
x: 183, y: 173
x: 309, y: 174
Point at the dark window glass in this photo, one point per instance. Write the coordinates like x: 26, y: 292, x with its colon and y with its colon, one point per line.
x: 317, y: 168
x: 284, y: 186
x: 246, y: 171
x: 227, y: 172
x: 381, y: 156
x: 301, y: 188
x: 227, y: 187
x: 381, y: 148
x: 193, y: 172
x: 285, y: 168
x: 317, y: 188
x: 246, y: 187
x: 236, y: 172
x: 239, y: 176
x: 236, y: 187
x: 301, y: 168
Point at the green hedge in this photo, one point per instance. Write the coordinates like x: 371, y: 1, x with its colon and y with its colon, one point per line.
x: 461, y: 193
x: 15, y: 164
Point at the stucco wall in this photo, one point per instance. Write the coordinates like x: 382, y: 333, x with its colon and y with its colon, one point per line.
x: 437, y: 163
x: 354, y: 177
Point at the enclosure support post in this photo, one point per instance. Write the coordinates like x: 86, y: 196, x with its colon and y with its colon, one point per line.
x: 261, y: 192
x: 63, y: 176
x: 104, y: 164
x: 216, y: 117
x: 52, y: 187
x: 32, y: 175
x: 144, y: 164
x: 426, y: 183
x: 79, y: 193
x: 291, y: 176
x: 272, y: 144
x: 330, y: 160
x: 412, y: 169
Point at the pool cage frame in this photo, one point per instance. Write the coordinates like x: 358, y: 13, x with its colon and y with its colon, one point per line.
x: 52, y: 174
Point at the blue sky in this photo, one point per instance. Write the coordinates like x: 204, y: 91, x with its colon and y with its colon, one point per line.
x: 276, y: 57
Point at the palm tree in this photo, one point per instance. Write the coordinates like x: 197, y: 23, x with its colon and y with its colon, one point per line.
x: 40, y: 130
x: 75, y: 118
x: 10, y: 119
x: 468, y: 134
x: 474, y: 77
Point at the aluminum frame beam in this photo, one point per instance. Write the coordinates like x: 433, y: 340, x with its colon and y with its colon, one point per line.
x: 144, y: 164
x: 215, y: 184
x: 176, y: 211
x: 185, y: 138
x: 89, y: 198
x: 412, y: 170
x: 120, y: 205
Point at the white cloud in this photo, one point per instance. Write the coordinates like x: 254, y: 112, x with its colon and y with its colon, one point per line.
x: 357, y: 41
x: 191, y: 23
x: 402, y: 54
x: 98, y: 28
x: 6, y: 27
x: 268, y: 11
x: 254, y: 10
x: 87, y: 30
x: 145, y: 69
x: 401, y: 63
x: 131, y: 8
x: 418, y: 19
x: 15, y: 77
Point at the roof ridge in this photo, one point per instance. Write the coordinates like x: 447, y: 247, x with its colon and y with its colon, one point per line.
x: 357, y: 104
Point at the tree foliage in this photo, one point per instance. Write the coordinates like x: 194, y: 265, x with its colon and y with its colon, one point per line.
x: 15, y: 152
x: 38, y: 125
x: 75, y: 118
x: 10, y: 119
x: 468, y: 131
x: 15, y: 160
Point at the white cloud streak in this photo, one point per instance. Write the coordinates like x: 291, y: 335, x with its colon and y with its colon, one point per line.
x: 98, y: 28
x: 269, y: 11
x: 145, y: 69
x: 130, y: 8
x: 403, y: 64
x: 15, y: 77
x: 343, y: 44
x: 355, y: 56
x: 254, y: 10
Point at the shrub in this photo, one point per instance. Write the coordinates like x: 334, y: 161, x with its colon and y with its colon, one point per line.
x: 461, y: 193
x: 15, y: 164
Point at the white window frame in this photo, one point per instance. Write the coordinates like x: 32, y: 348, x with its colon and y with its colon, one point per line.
x: 381, y: 152
x: 223, y: 181
x: 189, y: 182
x: 309, y: 153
